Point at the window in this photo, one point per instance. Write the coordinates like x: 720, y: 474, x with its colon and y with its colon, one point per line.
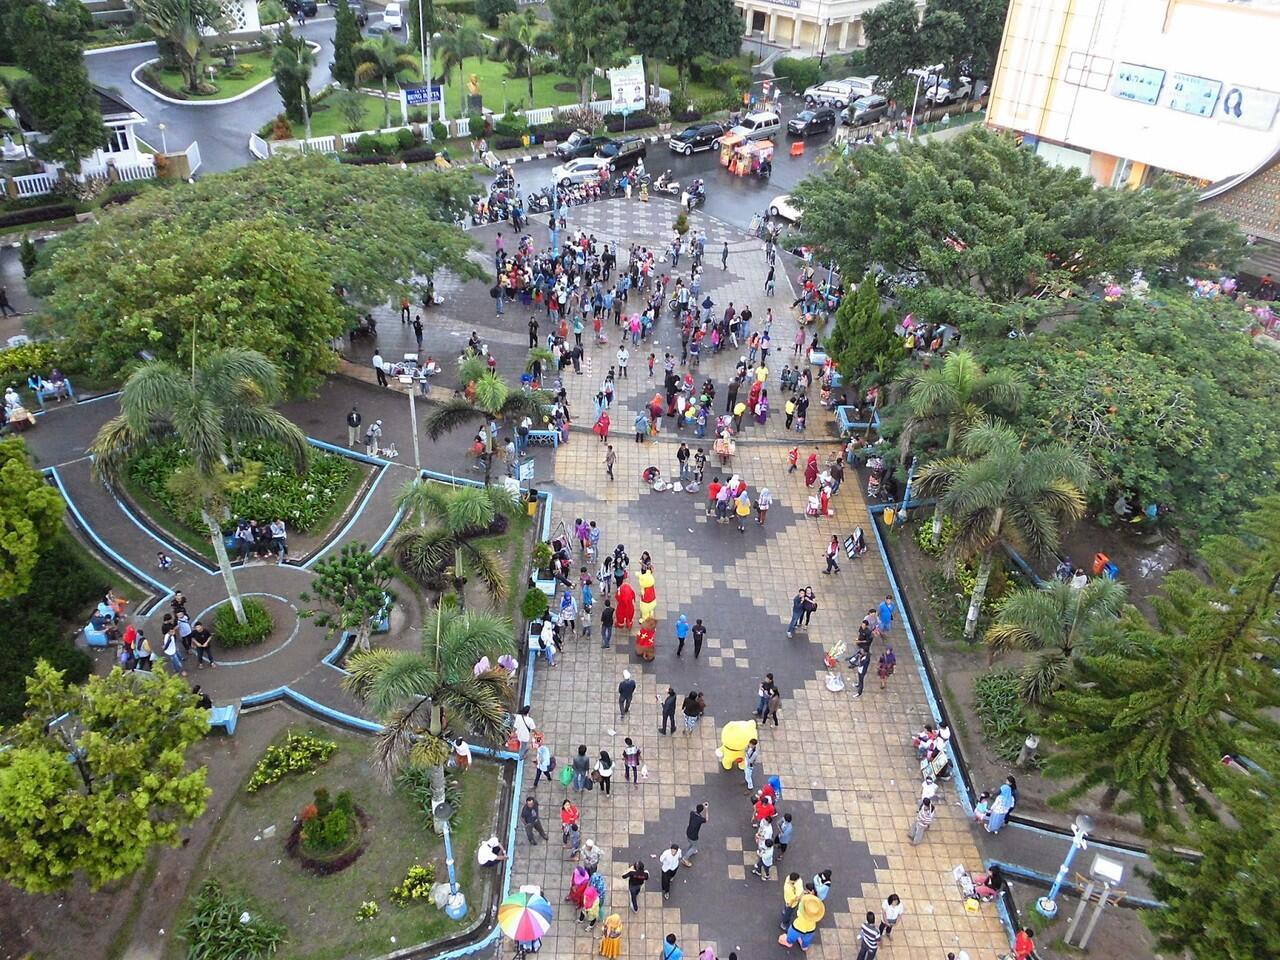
x: 118, y: 140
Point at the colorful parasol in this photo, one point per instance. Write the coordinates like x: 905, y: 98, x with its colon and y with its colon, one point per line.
x: 524, y: 917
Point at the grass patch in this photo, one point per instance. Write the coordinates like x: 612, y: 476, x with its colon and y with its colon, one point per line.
x: 492, y: 74
x: 250, y: 70
x: 327, y: 120
x: 320, y: 913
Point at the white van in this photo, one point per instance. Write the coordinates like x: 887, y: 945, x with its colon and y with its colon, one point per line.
x: 759, y: 126
x: 833, y: 93
x: 393, y: 16
x: 861, y: 86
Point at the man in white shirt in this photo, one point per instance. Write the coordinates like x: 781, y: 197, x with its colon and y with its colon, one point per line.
x: 623, y: 357
x: 491, y: 853
x: 669, y: 860
x: 524, y: 727
x: 379, y: 369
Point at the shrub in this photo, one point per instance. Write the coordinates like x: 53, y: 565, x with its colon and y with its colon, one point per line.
x: 281, y: 128
x: 16, y: 363
x: 477, y: 123
x: 490, y: 10
x: 717, y: 102
x: 270, y: 11
x: 506, y: 143
x: 303, y: 500
x: 27, y: 256
x: 366, y: 145
x: 681, y: 226
x: 417, y: 884
x: 368, y: 910
x: 300, y: 753
x: 232, y: 633
x: 637, y: 121
x: 998, y: 702
x: 416, y: 782
x: 418, y: 115
x: 405, y: 139
x: 216, y: 927
x: 534, y: 605
x: 798, y: 73
x: 439, y: 131
x: 511, y: 125
x: 421, y: 154
x: 333, y: 825
x: 362, y: 161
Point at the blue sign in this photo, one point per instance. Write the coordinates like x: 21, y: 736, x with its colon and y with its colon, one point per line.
x: 1137, y: 83
x: 418, y: 96
x: 1195, y: 95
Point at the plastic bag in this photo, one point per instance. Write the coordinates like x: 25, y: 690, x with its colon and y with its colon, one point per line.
x: 566, y: 776
x: 644, y: 771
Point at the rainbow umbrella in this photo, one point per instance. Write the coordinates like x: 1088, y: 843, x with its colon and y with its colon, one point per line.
x: 524, y: 917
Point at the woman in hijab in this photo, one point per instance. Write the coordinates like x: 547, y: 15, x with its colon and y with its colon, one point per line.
x: 1000, y: 807
x: 811, y: 470
x: 578, y: 883
x: 611, y: 944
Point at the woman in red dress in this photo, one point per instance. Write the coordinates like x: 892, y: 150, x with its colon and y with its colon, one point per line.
x: 811, y: 470
x: 626, y: 606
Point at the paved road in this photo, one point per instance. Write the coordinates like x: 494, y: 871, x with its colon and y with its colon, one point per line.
x: 223, y: 131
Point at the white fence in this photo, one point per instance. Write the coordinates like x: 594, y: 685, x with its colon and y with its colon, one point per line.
x: 463, y: 127
x: 141, y: 171
x: 193, y: 157
x: 34, y: 185
x: 540, y: 116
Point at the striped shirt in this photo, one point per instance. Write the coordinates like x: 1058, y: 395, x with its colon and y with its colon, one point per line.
x: 871, y: 936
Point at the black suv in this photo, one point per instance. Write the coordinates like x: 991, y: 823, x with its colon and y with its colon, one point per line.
x: 699, y: 136
x: 582, y: 144
x: 306, y: 7
x: 817, y: 120
x: 622, y: 154
x: 357, y: 7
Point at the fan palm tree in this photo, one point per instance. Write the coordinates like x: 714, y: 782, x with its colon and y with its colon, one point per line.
x: 223, y: 400
x: 420, y: 693
x: 385, y: 60
x: 999, y: 493
x: 442, y: 539
x: 519, y: 36
x: 182, y: 25
x: 955, y: 395
x: 493, y: 401
x: 452, y: 51
x: 1055, y: 620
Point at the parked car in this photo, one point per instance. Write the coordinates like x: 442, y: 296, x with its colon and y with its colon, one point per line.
x: 357, y: 7
x: 306, y: 7
x: 833, y: 93
x: 393, y: 16
x: 861, y: 86
x: 581, y: 144
x: 818, y: 120
x: 579, y: 170
x: 783, y: 206
x: 865, y: 110
x: 699, y: 136
x: 759, y: 126
x: 622, y: 154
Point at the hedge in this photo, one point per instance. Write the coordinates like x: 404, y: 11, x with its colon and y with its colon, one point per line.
x: 419, y: 155
x: 360, y: 161
x: 57, y: 211
x: 637, y: 121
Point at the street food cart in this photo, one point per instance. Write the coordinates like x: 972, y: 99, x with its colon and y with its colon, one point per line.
x: 729, y: 143
x: 751, y: 158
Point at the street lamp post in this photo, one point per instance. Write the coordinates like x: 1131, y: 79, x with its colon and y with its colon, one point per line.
x: 504, y: 98
x: 1080, y: 830
x: 164, y: 142
x: 407, y: 380
x: 456, y: 907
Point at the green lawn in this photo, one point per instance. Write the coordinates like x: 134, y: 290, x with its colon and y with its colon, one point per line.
x: 492, y: 74
x: 327, y: 120
x: 320, y: 912
x: 255, y: 67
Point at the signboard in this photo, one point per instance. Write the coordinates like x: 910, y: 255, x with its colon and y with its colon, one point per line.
x: 626, y: 86
x: 1194, y: 95
x: 421, y: 96
x: 1249, y: 107
x: 1138, y: 83
x: 524, y: 471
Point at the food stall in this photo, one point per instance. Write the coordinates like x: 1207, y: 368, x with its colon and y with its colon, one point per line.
x: 728, y: 144
x: 752, y: 158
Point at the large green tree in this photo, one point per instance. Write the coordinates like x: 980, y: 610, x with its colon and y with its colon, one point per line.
x: 384, y: 60
x: 180, y: 27
x: 292, y: 61
x: 300, y: 244
x: 862, y: 341
x: 94, y: 776
x: 48, y: 43
x: 422, y: 694
x: 588, y: 35
x: 954, y: 394
x: 653, y: 28
x: 708, y: 28
x: 222, y: 399
x: 895, y: 43
x: 520, y: 35
x: 346, y: 36
x: 998, y: 492
x: 30, y: 516
x: 1150, y: 712
x: 452, y: 51
x: 442, y: 541
x: 983, y: 219
x: 357, y: 586
x: 1168, y: 400
x: 976, y: 49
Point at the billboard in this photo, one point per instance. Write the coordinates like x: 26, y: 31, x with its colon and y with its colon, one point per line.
x: 626, y: 86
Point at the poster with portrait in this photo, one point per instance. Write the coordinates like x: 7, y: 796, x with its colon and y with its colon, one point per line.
x: 626, y: 86
x: 1249, y: 106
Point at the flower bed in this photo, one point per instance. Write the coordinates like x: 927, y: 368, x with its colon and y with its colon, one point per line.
x: 300, y: 753
x: 303, y: 501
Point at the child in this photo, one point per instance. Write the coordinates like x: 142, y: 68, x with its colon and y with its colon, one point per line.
x: 587, y: 601
x: 983, y: 808
x: 888, y: 660
x: 651, y: 359
x: 573, y: 840
x: 163, y: 560
x: 793, y: 459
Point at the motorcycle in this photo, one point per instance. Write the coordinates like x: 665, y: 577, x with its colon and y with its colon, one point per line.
x: 694, y: 195
x: 664, y: 184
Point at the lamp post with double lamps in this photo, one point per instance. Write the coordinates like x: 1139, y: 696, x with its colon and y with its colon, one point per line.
x: 1080, y: 830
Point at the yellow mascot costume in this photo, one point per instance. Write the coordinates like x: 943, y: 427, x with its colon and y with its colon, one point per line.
x: 734, y: 737
x: 648, y: 595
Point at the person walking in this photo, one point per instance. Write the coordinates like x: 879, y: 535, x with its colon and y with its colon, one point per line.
x: 888, y: 660
x: 581, y: 769
x: 792, y: 890
x: 892, y: 910
x: 749, y: 760
x: 670, y: 951
x: 631, y: 758
x: 6, y: 307
x: 699, y: 635
x: 833, y: 551
x: 862, y: 660
x: 869, y: 938
x: 693, y: 707
x: 669, y: 861
x: 724, y: 256
x: 809, y: 912
x: 610, y: 458
x: 922, y: 822
x: 603, y: 772
x: 668, y: 710
x: 797, y: 611
x: 636, y: 878
x: 353, y: 426
x: 786, y: 828
x: 532, y: 822
x: 201, y: 639
x: 379, y: 369
x: 524, y: 727
x: 698, y: 818
x: 682, y: 632
x: 885, y: 613
x: 606, y: 635
x: 372, y: 438
x: 1024, y: 945
x: 763, y: 503
x: 762, y: 696
x: 542, y: 765
x: 170, y: 650
x: 611, y: 942
x: 764, y: 859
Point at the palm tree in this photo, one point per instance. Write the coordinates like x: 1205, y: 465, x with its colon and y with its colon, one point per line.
x: 385, y: 60
x: 182, y: 25
x: 443, y: 540
x: 494, y: 401
x: 418, y: 693
x: 224, y: 400
x: 519, y: 35
x: 1000, y: 494
x: 1055, y: 620
x: 292, y: 61
x: 955, y: 394
x: 452, y: 50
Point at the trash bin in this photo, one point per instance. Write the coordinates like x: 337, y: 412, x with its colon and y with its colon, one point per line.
x: 1100, y: 561
x: 531, y: 501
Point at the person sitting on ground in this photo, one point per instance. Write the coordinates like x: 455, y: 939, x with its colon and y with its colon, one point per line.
x: 491, y: 853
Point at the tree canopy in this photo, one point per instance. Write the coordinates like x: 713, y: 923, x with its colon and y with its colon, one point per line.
x: 862, y: 342
x: 980, y: 215
x: 346, y: 34
x: 125, y: 788
x: 588, y: 35
x: 30, y: 515
x: 277, y: 256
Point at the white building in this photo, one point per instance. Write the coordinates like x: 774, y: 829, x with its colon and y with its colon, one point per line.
x: 808, y: 27
x: 121, y: 150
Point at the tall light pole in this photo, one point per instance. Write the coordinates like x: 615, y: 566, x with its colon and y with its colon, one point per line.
x: 164, y: 141
x: 456, y: 906
x: 407, y: 380
x: 1080, y: 830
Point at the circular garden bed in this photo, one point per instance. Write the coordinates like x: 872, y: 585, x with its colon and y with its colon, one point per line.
x: 329, y: 835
